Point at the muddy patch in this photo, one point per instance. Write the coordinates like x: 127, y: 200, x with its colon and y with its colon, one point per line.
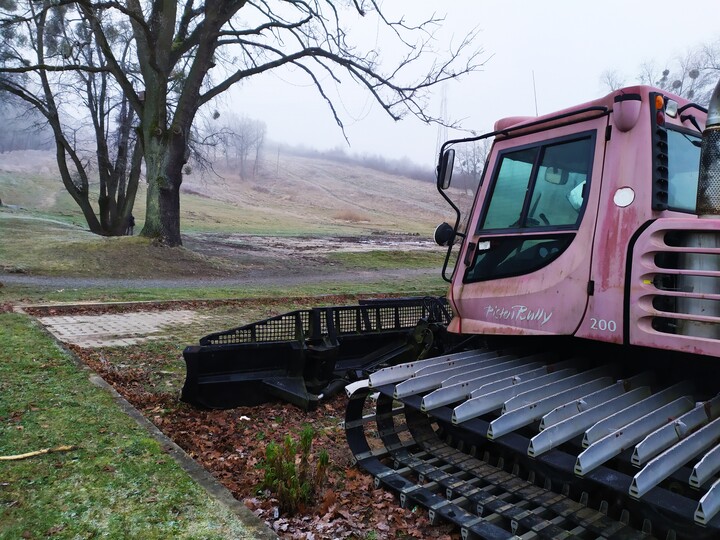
x: 244, y: 247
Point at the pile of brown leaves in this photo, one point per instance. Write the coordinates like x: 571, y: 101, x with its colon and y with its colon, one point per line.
x: 231, y: 445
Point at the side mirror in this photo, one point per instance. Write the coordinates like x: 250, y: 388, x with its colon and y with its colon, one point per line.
x: 444, y: 235
x: 445, y: 169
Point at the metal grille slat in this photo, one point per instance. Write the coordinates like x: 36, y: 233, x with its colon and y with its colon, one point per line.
x: 706, y: 468
x: 531, y: 396
x: 471, y: 360
x: 597, y: 398
x: 531, y: 379
x: 517, y: 418
x: 668, y: 435
x: 579, y: 406
x: 540, y: 359
x: 423, y: 382
x: 611, y: 445
x: 709, y: 504
x: 673, y: 458
x: 400, y: 372
x: 484, y: 403
x: 630, y: 414
x: 479, y: 374
x: 446, y: 395
x: 567, y: 429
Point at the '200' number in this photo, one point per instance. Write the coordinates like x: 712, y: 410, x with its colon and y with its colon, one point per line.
x: 603, y: 325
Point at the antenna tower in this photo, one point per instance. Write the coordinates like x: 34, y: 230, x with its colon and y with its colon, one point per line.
x: 442, y: 134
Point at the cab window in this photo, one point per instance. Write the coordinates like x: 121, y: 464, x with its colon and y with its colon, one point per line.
x: 541, y: 187
x: 538, y: 189
x: 683, y: 170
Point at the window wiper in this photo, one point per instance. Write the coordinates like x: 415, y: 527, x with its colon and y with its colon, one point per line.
x: 694, y: 142
x: 692, y: 119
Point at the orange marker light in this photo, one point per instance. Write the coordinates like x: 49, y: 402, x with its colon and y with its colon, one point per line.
x: 659, y: 102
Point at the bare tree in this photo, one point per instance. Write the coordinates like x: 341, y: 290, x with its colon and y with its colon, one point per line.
x: 692, y: 75
x: 243, y: 139
x: 471, y: 163
x: 686, y: 78
x: 190, y: 52
x: 258, y: 144
x: 612, y: 79
x: 471, y: 159
x: 23, y: 127
x: 56, y: 34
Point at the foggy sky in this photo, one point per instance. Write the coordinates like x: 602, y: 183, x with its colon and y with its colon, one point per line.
x: 567, y: 44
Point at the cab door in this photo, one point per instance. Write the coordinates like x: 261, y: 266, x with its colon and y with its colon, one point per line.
x: 525, y: 267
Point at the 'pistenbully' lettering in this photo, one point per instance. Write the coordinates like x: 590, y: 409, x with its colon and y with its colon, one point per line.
x: 518, y: 313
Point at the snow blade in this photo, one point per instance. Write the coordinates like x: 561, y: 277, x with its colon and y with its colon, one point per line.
x: 305, y: 355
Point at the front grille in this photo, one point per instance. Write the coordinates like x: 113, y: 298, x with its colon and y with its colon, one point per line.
x: 675, y: 287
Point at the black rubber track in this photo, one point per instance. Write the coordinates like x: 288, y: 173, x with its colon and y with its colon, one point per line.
x: 483, y: 500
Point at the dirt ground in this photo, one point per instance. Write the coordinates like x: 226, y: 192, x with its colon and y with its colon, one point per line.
x: 278, y: 255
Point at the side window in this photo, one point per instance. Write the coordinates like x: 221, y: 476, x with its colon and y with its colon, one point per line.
x: 516, y: 255
x: 541, y: 186
x: 511, y: 186
x: 683, y: 171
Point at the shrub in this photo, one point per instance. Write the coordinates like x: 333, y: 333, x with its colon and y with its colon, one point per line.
x: 291, y: 476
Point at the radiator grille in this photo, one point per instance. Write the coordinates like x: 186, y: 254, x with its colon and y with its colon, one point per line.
x: 681, y: 273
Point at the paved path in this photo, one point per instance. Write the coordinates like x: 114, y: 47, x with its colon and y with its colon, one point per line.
x: 115, y: 330
x: 246, y: 280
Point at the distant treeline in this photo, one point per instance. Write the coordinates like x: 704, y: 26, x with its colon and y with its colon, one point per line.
x: 400, y: 167
x: 23, y: 128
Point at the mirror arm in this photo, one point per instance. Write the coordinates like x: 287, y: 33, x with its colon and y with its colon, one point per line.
x: 455, y: 230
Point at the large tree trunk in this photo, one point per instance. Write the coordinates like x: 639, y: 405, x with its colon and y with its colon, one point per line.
x: 164, y: 159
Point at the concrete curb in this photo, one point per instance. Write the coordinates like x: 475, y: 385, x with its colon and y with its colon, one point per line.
x: 255, y: 526
x: 329, y: 299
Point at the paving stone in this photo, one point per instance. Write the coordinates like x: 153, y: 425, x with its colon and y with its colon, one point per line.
x: 117, y: 330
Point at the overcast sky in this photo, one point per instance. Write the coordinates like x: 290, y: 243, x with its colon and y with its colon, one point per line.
x: 567, y: 44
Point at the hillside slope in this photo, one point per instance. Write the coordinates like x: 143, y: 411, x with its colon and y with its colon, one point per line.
x: 289, y: 196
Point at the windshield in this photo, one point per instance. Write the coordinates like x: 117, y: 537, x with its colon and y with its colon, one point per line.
x: 683, y: 170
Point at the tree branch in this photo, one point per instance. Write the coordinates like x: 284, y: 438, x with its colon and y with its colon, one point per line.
x: 51, y: 67
x: 115, y: 67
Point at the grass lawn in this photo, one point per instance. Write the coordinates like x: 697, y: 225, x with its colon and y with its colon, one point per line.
x: 33, y: 294
x: 116, y: 483
x: 377, y: 259
x: 32, y: 245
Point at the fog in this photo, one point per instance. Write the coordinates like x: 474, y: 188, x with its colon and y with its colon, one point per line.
x: 563, y: 46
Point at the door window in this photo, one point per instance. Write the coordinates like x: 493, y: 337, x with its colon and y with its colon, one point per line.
x: 511, y: 186
x: 516, y: 255
x: 541, y: 187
